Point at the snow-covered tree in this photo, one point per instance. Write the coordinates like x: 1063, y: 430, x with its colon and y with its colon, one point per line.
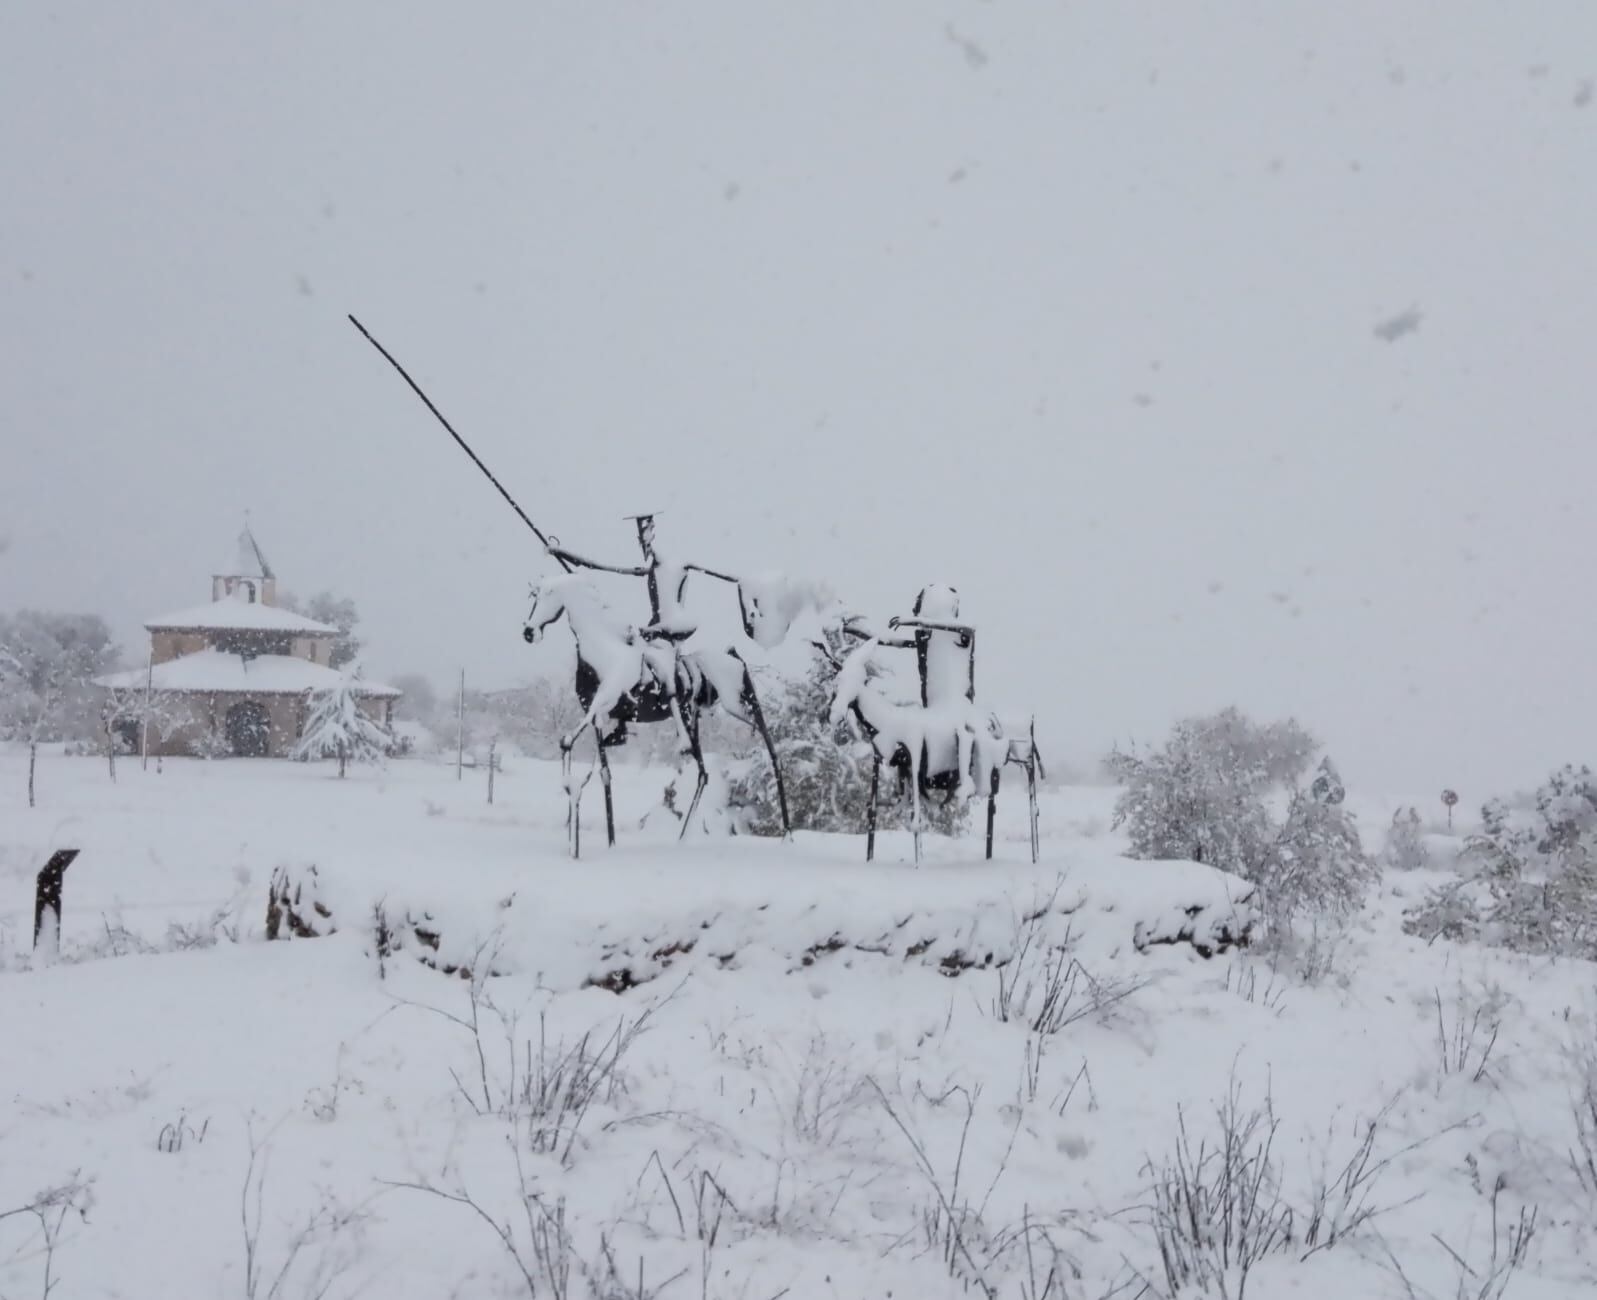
x: 48, y: 663
x: 337, y: 611
x: 1202, y: 796
x: 129, y: 711
x: 419, y: 701
x: 1317, y: 862
x: 338, y: 728
x: 826, y: 771
x: 1405, y: 848
x: 1205, y: 796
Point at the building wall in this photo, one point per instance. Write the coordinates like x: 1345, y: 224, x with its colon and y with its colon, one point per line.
x: 172, y: 645
x: 318, y: 649
x: 285, y: 716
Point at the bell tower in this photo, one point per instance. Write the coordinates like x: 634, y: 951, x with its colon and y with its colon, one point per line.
x: 251, y: 580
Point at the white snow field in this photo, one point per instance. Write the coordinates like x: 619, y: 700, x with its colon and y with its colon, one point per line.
x: 820, y: 1079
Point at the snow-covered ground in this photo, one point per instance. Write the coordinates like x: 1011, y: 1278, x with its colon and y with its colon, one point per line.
x: 822, y: 1078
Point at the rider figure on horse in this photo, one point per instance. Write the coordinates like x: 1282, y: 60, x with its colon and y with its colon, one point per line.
x: 669, y: 623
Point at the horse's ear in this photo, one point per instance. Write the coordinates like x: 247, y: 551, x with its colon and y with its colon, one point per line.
x: 743, y: 611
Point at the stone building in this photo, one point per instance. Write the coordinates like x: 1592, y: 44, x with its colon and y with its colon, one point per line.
x: 235, y: 675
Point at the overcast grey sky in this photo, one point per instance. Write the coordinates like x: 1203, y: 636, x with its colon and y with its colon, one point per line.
x: 1104, y: 313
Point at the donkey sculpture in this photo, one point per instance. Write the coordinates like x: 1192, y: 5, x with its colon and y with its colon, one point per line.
x: 627, y: 675
x: 942, y: 744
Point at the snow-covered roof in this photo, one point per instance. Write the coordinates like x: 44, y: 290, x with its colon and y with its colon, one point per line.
x: 248, y: 560
x: 236, y: 614
x: 213, y: 670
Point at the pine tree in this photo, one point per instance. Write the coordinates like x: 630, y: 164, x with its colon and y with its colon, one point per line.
x: 337, y: 727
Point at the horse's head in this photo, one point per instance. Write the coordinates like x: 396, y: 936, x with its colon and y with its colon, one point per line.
x: 574, y: 596
x: 548, y: 604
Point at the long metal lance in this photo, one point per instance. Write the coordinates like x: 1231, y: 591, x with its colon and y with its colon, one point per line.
x: 439, y: 416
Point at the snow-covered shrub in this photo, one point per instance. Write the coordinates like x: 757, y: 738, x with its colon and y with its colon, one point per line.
x: 1466, y: 1032
x: 1206, y: 797
x: 294, y: 905
x: 338, y: 728
x: 827, y: 774
x: 1405, y: 848
x: 1451, y: 911
x: 1536, y: 870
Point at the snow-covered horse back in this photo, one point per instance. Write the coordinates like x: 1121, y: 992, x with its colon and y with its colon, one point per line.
x: 774, y: 605
x: 631, y: 675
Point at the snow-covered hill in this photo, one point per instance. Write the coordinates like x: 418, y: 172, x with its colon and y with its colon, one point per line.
x: 822, y: 1078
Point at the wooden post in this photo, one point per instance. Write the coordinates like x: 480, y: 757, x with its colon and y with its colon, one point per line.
x: 493, y: 762
x: 47, y: 905
x: 460, y: 730
x: 144, y: 731
x: 33, y: 762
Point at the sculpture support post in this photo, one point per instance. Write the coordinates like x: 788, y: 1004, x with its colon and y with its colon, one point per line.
x: 47, y: 905
x: 1031, y: 799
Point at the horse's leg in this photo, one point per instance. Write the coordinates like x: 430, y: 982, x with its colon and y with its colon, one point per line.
x: 757, y: 715
x: 870, y: 808
x: 573, y: 799
x: 574, y: 789
x: 698, y: 790
x: 609, y: 801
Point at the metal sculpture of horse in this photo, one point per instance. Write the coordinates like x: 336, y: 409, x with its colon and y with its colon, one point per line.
x: 942, y: 744
x: 627, y: 675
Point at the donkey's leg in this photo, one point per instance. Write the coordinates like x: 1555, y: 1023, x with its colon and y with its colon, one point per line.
x: 964, y: 750
x: 917, y: 808
x: 992, y: 812
x: 757, y: 716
